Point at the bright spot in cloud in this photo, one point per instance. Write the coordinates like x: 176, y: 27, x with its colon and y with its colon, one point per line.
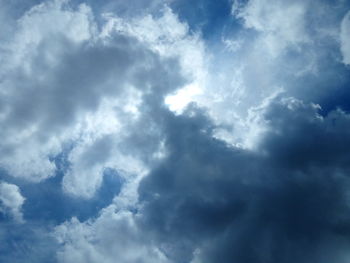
x: 178, y: 101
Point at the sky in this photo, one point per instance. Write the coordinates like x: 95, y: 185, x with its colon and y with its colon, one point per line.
x: 174, y: 131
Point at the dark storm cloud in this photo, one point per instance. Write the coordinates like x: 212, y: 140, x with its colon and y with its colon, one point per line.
x: 286, y: 202
x: 301, y: 139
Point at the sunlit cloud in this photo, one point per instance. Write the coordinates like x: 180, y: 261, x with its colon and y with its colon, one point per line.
x: 174, y: 131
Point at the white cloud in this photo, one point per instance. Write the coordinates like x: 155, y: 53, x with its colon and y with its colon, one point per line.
x: 11, y: 201
x: 57, y: 77
x: 345, y: 38
x: 66, y: 81
x: 238, y: 79
x: 279, y: 43
x: 89, y: 160
x: 29, y: 60
x: 170, y: 38
x: 282, y: 23
x: 112, y: 237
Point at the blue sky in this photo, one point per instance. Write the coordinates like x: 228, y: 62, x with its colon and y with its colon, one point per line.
x: 173, y: 131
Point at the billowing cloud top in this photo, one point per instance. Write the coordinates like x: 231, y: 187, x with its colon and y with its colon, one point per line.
x: 174, y: 131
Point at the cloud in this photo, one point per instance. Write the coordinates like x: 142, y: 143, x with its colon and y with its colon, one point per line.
x: 283, y: 202
x: 32, y: 111
x: 114, y: 236
x: 206, y: 200
x: 136, y: 139
x: 345, y: 39
x: 76, y: 85
x: 281, y: 23
x: 11, y: 201
x: 283, y: 46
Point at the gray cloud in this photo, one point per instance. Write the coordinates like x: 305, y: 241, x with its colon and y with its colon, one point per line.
x: 57, y: 80
x: 89, y: 91
x: 286, y: 201
x: 113, y: 236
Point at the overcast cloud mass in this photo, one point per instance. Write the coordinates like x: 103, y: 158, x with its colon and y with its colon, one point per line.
x: 174, y: 131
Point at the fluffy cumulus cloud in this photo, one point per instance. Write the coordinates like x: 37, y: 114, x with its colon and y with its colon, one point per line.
x: 11, y: 201
x: 141, y: 133
x: 112, y: 236
x: 83, y: 85
x: 283, y: 23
